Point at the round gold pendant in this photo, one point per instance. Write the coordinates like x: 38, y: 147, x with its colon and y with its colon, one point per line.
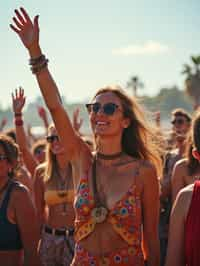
x: 99, y: 214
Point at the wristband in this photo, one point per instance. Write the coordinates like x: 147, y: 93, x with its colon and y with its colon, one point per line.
x: 19, y: 122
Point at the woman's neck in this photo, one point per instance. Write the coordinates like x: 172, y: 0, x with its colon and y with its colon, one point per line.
x: 108, y: 147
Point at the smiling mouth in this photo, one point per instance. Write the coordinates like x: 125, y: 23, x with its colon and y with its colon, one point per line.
x: 99, y: 123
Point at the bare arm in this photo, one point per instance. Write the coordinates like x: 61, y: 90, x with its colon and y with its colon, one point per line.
x: 18, y: 100
x: 177, y: 181
x: 176, y: 252
x: 28, y: 32
x: 39, y: 195
x: 27, y: 222
x: 150, y: 207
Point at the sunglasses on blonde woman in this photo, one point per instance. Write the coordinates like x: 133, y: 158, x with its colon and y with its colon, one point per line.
x: 178, y: 121
x: 52, y: 138
x: 107, y: 108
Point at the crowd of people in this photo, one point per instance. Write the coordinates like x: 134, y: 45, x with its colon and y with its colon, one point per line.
x: 128, y: 195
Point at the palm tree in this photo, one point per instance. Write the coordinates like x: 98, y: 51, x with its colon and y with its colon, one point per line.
x: 192, y: 81
x: 135, y: 84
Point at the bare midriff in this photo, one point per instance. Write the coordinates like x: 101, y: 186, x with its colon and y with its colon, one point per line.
x: 103, y: 240
x: 57, y: 218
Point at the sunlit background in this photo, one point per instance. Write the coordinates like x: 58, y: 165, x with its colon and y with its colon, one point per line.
x: 94, y: 43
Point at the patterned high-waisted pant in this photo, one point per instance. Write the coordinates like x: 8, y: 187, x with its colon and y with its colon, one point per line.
x: 56, y: 250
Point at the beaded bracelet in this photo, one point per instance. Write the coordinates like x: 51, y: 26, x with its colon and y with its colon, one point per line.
x: 19, y: 122
x: 38, y: 60
x: 37, y: 68
x: 17, y: 114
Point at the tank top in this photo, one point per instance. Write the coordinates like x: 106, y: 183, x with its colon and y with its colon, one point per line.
x: 9, y: 233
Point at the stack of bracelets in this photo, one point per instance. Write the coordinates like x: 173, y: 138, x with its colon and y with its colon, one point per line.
x: 18, y: 119
x: 37, y: 64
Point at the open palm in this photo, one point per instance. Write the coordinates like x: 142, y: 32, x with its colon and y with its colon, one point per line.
x: 27, y: 30
x: 18, y: 100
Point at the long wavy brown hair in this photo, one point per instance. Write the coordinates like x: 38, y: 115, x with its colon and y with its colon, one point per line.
x: 193, y: 142
x: 139, y: 138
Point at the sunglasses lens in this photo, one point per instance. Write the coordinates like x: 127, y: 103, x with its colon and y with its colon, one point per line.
x: 96, y: 107
x: 39, y: 151
x: 109, y: 108
x: 51, y: 139
x: 177, y: 121
x: 180, y: 121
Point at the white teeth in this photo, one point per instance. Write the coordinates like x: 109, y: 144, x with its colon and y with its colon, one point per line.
x: 101, y: 123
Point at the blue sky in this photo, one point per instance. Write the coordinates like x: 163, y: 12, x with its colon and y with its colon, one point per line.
x: 95, y: 43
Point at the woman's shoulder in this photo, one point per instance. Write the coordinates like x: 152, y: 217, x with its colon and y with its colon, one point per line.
x: 147, y: 171
x: 19, y: 190
x: 146, y: 165
x: 182, y: 163
x: 84, y: 159
x: 185, y: 194
x: 183, y: 200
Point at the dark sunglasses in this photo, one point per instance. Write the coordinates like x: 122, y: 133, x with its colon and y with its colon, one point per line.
x: 108, y: 108
x: 52, y: 138
x: 178, y: 121
x: 3, y: 157
x: 39, y: 151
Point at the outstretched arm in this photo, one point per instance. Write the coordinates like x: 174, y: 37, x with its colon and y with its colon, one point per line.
x: 18, y: 102
x: 28, y: 32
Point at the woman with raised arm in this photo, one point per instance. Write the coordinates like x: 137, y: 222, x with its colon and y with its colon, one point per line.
x: 18, y: 102
x: 116, y: 187
x: 19, y: 231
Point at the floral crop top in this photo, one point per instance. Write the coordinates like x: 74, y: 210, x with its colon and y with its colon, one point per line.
x: 125, y: 216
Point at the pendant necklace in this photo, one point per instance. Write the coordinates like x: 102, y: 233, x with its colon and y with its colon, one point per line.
x: 63, y: 188
x: 100, y: 212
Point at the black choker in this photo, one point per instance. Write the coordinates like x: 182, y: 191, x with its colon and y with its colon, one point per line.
x: 109, y: 156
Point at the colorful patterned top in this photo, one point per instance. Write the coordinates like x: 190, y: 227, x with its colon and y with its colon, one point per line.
x: 125, y: 216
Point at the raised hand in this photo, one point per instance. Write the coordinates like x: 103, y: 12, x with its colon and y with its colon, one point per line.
x: 77, y: 122
x: 43, y: 115
x: 27, y: 30
x: 18, y: 100
x: 42, y: 112
x: 3, y: 123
